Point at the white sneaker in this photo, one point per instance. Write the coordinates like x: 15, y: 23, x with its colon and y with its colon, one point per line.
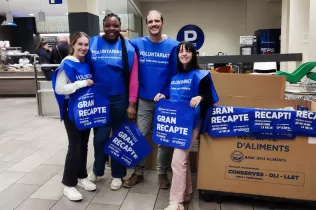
x: 86, y: 184
x: 116, y: 184
x: 175, y: 206
x: 72, y: 193
x: 92, y: 177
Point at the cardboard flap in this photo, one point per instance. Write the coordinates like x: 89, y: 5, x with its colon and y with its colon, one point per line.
x: 267, y: 86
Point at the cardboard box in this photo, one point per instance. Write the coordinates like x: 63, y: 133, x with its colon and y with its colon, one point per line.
x: 266, y: 167
x: 267, y: 86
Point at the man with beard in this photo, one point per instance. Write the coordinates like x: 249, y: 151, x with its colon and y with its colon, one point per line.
x: 157, y: 64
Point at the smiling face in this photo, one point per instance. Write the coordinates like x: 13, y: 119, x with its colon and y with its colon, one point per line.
x: 112, y: 28
x: 154, y: 23
x: 185, y: 55
x: 80, y: 47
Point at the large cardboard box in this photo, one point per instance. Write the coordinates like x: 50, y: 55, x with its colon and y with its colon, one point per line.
x: 266, y: 167
x: 266, y: 86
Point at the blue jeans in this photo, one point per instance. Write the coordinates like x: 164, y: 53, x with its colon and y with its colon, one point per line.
x: 118, y: 107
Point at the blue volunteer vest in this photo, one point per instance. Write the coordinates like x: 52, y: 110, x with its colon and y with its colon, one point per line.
x: 75, y: 71
x: 157, y: 65
x: 106, y: 61
x: 184, y: 86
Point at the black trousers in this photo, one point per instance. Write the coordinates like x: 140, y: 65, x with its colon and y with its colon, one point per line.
x: 76, y: 159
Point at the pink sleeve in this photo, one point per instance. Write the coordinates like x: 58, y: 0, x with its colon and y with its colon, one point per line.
x: 133, y: 83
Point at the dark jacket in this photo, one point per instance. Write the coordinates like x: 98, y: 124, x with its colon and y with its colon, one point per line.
x: 59, y: 52
x: 44, y: 57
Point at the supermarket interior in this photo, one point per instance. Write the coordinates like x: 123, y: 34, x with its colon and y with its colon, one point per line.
x: 256, y: 152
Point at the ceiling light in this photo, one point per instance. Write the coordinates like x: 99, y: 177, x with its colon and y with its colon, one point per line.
x: 66, y: 13
x: 103, y: 12
x: 31, y: 14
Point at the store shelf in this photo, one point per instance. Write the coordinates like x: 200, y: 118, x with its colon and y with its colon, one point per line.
x: 18, y: 83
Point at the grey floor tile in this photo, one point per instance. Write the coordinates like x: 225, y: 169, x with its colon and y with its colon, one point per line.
x: 7, y: 178
x: 9, y: 146
x: 5, y: 164
x: 52, y: 148
x: 28, y: 164
x: 41, y: 174
x: 108, y: 196
x: 7, y: 137
x: 196, y: 204
x: 21, y: 130
x: 65, y: 204
x: 235, y: 206
x: 51, y: 190
x: 36, y: 204
x: 146, y: 187
x: 94, y: 206
x: 58, y: 159
x: 162, y: 199
x: 31, y: 135
x: 151, y: 176
x: 19, y: 153
x: 137, y: 201
x: 15, y: 195
x: 40, y: 142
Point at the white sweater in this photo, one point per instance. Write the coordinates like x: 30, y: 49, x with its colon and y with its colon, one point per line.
x: 63, y: 84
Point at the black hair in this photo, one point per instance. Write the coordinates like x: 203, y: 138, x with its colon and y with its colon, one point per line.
x: 193, y: 64
x: 126, y: 73
x: 153, y: 10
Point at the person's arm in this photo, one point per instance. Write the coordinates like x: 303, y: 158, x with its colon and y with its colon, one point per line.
x: 63, y: 85
x: 47, y: 56
x: 172, y: 68
x: 133, y: 83
x: 206, y: 93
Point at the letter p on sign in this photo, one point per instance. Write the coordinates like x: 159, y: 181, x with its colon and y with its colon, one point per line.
x: 190, y: 36
x: 193, y: 34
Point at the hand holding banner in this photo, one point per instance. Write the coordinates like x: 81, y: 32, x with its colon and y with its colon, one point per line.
x: 173, y: 124
x: 127, y: 145
x: 92, y: 107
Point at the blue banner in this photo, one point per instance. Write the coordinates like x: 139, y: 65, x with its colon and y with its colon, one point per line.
x: 173, y: 124
x: 230, y: 121
x: 273, y: 121
x: 92, y: 107
x: 305, y: 123
x: 127, y: 145
x: 274, y: 135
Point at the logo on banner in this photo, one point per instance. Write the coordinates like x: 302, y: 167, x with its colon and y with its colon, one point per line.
x: 193, y: 34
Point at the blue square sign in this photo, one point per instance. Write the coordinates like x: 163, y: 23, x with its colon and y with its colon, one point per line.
x: 55, y: 1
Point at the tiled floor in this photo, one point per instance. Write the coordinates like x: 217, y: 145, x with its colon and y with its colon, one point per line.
x: 32, y: 153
